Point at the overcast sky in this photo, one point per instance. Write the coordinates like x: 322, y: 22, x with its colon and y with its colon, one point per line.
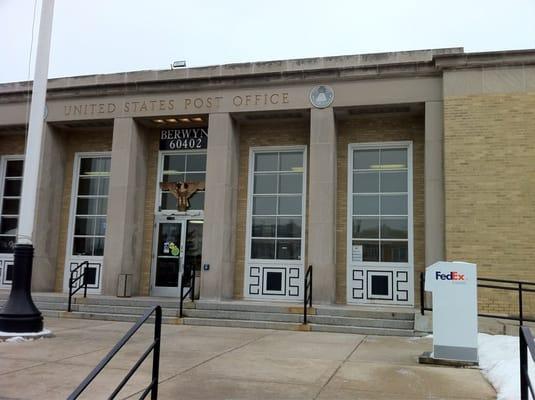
x: 103, y: 36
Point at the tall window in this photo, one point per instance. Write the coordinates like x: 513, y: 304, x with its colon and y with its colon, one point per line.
x: 277, y: 205
x: 9, y: 217
x: 380, y: 216
x: 91, y: 206
x: 189, y: 167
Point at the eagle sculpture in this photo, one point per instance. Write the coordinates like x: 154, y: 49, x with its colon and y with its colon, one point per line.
x: 182, y: 191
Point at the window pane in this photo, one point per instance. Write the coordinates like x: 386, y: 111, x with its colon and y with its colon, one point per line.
x: 263, y: 227
x: 7, y: 244
x: 394, y: 252
x: 9, y: 225
x: 169, y: 202
x: 266, y: 162
x: 88, y: 185
x: 288, y: 249
x: 370, y: 250
x: 86, y: 206
x: 195, y: 177
x: 291, y: 183
x: 291, y: 161
x: 173, y: 177
x: 263, y: 249
x: 14, y: 168
x: 100, y: 226
x: 366, y: 227
x: 196, y: 202
x: 365, y: 182
x: 393, y: 159
x: 265, y: 183
x: 99, y: 246
x: 393, y: 181
x: 82, y: 246
x: 102, y: 206
x: 394, y: 204
x: 264, y: 205
x: 394, y: 228
x: 84, y: 226
x: 103, y: 186
x: 92, y: 166
x: 366, y: 205
x: 289, y: 227
x: 10, y: 206
x: 12, y: 187
x: 289, y: 205
x: 196, y: 162
x: 365, y: 159
x: 174, y: 163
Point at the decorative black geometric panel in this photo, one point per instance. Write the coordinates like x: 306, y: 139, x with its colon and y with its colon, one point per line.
x: 357, y: 292
x: 379, y: 285
x: 273, y: 281
x: 402, y: 278
x: 385, y: 288
x: 293, y: 282
x: 254, y: 274
x: 93, y: 271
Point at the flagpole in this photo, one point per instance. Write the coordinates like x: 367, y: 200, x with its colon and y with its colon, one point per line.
x: 20, y: 314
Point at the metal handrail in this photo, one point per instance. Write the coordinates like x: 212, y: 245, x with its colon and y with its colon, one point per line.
x: 526, y: 343
x: 83, y: 267
x: 307, y: 299
x: 519, y: 286
x: 190, y: 291
x: 154, y: 347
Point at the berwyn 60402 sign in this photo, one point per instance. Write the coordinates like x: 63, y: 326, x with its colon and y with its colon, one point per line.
x: 183, y: 138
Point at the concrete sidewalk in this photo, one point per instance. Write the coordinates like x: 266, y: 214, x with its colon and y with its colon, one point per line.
x: 232, y: 363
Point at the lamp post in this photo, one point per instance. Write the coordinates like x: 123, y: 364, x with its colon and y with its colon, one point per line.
x: 20, y: 314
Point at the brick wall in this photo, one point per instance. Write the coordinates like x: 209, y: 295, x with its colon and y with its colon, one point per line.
x: 379, y: 128
x: 12, y: 144
x: 278, y: 133
x: 76, y: 141
x: 490, y: 189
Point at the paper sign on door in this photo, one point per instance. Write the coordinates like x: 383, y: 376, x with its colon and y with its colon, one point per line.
x: 356, y: 253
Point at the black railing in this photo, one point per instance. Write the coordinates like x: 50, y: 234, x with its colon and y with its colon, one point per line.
x: 307, y: 299
x: 526, y: 343
x: 81, y: 271
x: 191, y: 290
x: 154, y: 348
x: 501, y: 284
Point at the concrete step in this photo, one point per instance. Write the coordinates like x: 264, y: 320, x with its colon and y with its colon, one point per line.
x: 126, y: 310
x: 244, y: 315
x: 251, y: 306
x: 46, y: 298
x: 236, y: 323
x: 361, y: 330
x: 365, y: 312
x: 361, y: 322
x: 105, y: 317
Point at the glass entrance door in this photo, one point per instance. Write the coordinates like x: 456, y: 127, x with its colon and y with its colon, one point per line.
x: 168, y: 257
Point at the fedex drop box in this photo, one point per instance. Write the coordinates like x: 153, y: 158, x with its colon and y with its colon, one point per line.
x: 454, y: 288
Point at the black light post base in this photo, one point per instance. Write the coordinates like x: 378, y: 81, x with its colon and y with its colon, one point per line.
x: 20, y: 314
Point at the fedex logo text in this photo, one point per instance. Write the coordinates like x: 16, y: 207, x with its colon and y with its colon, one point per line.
x: 452, y: 276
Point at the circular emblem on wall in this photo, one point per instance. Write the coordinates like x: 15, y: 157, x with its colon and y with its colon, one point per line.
x: 321, y: 96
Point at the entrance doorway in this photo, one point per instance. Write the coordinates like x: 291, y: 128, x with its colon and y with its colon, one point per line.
x: 177, y: 251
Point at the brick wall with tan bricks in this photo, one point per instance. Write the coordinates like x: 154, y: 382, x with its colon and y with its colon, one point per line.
x: 489, y: 161
x: 76, y: 141
x: 379, y: 128
x: 12, y: 144
x: 252, y: 135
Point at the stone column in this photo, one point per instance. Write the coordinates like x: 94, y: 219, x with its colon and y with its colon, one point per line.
x: 48, y: 210
x: 220, y: 208
x: 434, y: 183
x: 322, y: 205
x: 124, y: 233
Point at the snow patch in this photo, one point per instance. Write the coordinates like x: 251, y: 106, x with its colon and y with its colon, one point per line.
x: 499, y: 358
x: 19, y: 337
